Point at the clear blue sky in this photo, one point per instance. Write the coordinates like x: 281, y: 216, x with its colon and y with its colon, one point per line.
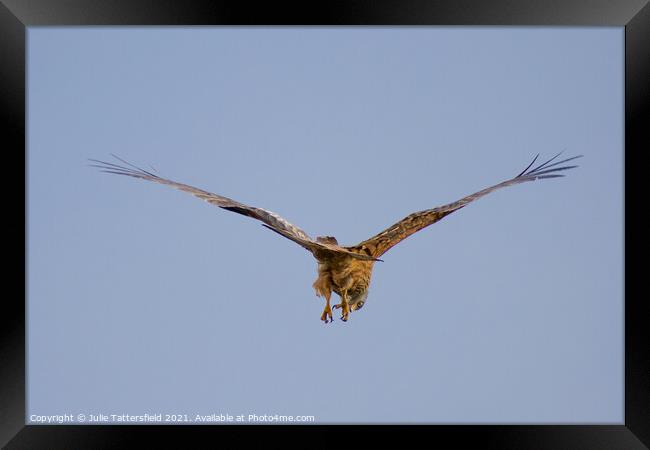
x: 143, y: 299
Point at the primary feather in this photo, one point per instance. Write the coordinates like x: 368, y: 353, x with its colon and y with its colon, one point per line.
x: 270, y: 219
x: 393, y: 235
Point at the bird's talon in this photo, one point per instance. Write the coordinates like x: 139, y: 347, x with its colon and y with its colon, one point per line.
x: 327, y: 314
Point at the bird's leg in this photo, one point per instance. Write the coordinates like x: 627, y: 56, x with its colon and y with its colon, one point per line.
x: 323, y: 288
x: 344, y: 305
x: 327, y: 312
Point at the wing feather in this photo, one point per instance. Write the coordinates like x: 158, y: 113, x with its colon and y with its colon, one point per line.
x: 382, y: 242
x: 270, y: 219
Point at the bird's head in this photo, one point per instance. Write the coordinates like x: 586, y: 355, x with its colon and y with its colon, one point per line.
x: 358, y: 301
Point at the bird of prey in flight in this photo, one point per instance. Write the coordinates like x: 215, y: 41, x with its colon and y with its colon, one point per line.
x: 346, y: 270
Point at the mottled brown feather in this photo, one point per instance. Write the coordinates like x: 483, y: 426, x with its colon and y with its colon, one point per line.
x: 391, y: 236
x: 270, y: 219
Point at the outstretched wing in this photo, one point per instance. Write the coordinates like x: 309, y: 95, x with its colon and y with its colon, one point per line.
x: 382, y: 242
x: 270, y: 219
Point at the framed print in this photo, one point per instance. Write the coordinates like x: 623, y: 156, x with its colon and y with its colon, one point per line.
x: 513, y: 322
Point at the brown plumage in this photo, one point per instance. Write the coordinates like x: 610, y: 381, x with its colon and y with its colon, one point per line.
x: 343, y: 270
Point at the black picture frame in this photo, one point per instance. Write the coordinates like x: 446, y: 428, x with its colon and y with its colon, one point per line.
x: 634, y: 15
